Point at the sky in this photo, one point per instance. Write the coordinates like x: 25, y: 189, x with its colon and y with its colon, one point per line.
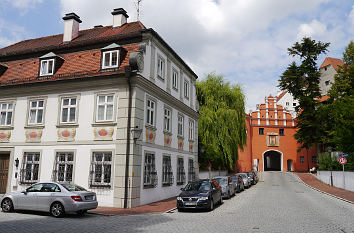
x: 246, y: 41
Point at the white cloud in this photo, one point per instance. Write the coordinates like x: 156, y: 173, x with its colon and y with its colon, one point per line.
x: 24, y: 4
x: 315, y: 28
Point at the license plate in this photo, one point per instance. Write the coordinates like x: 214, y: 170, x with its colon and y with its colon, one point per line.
x: 190, y: 203
x: 89, y: 198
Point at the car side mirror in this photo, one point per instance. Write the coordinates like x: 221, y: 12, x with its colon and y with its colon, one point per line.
x: 182, y: 189
x: 24, y: 192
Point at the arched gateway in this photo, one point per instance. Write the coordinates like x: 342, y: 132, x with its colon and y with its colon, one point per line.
x: 272, y: 160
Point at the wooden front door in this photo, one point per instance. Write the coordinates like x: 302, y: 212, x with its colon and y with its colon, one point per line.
x: 4, y: 171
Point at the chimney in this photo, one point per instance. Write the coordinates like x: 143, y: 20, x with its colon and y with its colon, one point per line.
x: 71, y: 26
x: 119, y: 17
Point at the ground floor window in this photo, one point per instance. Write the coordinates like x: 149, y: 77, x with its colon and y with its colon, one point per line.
x: 30, y: 168
x: 314, y: 159
x: 191, y: 172
x: 181, y: 177
x: 64, y: 163
x: 302, y: 159
x: 167, y: 174
x: 101, y: 169
x: 150, y: 174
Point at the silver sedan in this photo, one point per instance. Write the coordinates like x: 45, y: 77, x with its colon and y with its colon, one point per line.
x: 57, y: 198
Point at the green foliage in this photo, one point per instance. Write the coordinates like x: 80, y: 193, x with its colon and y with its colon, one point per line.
x: 302, y: 81
x: 222, y: 128
x: 326, y: 162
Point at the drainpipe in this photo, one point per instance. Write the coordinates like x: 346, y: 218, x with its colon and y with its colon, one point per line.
x: 126, y: 182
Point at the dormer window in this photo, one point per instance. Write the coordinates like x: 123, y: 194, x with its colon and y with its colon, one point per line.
x: 47, y: 67
x: 110, y: 59
x: 111, y: 56
x: 49, y: 64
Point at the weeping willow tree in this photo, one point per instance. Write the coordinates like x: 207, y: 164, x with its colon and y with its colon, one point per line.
x: 222, y: 127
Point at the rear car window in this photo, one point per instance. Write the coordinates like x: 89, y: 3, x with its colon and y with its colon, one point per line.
x: 73, y: 187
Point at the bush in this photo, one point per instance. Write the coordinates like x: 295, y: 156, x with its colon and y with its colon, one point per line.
x: 328, y: 163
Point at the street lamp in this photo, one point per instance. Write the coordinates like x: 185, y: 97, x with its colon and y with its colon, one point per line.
x: 136, y: 132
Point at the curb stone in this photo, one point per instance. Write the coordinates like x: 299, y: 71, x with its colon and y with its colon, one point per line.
x: 318, y: 190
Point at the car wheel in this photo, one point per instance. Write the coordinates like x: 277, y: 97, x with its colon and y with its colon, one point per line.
x: 211, y: 207
x: 7, y: 205
x: 81, y: 212
x: 57, y: 209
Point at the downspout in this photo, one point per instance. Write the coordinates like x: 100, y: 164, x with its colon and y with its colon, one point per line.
x: 127, y: 156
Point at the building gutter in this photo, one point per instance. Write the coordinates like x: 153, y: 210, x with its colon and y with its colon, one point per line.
x: 127, y: 156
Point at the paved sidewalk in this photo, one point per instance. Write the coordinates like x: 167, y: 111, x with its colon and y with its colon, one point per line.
x: 156, y: 207
x: 312, y: 181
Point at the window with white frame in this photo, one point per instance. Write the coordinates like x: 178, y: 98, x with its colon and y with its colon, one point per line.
x: 191, y: 172
x: 68, y: 110
x: 105, y: 107
x: 181, y: 177
x: 101, y: 169
x: 6, y: 112
x: 30, y: 168
x: 160, y: 68
x: 186, y: 89
x: 150, y: 112
x: 175, y: 79
x: 167, y: 175
x: 191, y: 130
x: 64, y: 164
x: 110, y: 59
x: 47, y: 67
x: 36, y: 111
x: 180, y: 125
x: 167, y: 120
x: 150, y: 174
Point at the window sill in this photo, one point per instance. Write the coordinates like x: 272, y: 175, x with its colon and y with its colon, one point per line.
x: 73, y: 125
x: 167, y: 133
x: 149, y: 186
x: 113, y: 68
x: 166, y: 185
x: 175, y: 88
x: 97, y: 186
x: 161, y: 78
x: 180, y: 137
x: 151, y: 127
x: 107, y: 123
x: 6, y: 127
x: 34, y: 127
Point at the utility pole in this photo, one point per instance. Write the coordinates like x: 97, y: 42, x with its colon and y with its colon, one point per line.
x: 137, y: 6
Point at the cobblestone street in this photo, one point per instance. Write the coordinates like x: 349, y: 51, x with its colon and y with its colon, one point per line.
x: 279, y: 203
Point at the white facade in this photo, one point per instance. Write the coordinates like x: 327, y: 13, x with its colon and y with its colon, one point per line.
x: 289, y: 103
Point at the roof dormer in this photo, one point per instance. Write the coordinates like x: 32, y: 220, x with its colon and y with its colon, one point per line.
x: 111, y: 56
x: 49, y: 64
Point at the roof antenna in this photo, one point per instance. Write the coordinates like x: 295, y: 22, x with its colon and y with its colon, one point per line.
x: 137, y: 6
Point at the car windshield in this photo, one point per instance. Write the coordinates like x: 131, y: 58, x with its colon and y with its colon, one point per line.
x: 234, y: 178
x: 198, y: 186
x: 243, y: 176
x: 222, y: 180
x: 73, y: 187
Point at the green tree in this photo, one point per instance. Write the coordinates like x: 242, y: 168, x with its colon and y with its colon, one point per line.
x: 222, y: 127
x: 302, y: 81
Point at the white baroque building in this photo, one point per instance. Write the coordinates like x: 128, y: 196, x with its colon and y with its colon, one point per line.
x: 70, y: 104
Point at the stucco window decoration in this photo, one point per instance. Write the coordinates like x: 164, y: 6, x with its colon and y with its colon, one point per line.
x: 66, y: 134
x: 64, y: 164
x: 161, y: 68
x: 150, y: 174
x: 101, y: 169
x: 36, y: 112
x: 272, y: 139
x: 150, y: 135
x: 30, y: 168
x: 150, y: 112
x: 191, y: 171
x: 181, y: 175
x: 104, y: 111
x: 33, y: 135
x: 6, y: 112
x: 103, y: 133
x: 167, y: 174
x: 166, y: 138
x: 191, y: 146
x: 68, y: 110
x: 5, y: 135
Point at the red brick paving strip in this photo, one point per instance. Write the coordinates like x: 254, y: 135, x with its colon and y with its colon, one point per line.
x: 316, y: 183
x: 156, y: 207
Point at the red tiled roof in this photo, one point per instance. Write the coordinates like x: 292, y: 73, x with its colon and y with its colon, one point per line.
x: 281, y: 95
x: 88, y: 36
x: 323, y: 98
x: 76, y: 65
x: 335, y: 62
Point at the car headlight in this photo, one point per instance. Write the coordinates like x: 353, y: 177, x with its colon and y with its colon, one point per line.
x: 203, y: 198
x: 179, y: 198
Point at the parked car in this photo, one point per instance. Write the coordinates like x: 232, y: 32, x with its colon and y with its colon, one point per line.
x: 253, y: 176
x: 227, y: 186
x: 245, y: 179
x: 201, y: 194
x: 238, y: 182
x: 52, y: 197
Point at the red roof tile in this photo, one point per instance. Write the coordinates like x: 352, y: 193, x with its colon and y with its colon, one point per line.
x: 335, y: 62
x: 323, y: 98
